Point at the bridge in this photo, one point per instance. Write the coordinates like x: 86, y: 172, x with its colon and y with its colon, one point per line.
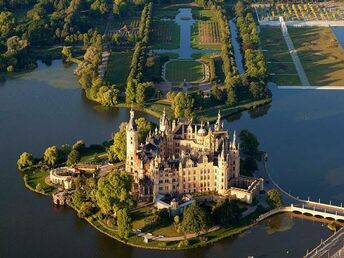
x: 331, y: 247
x: 308, y: 210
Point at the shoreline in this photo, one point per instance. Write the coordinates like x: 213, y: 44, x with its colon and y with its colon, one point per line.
x: 226, y: 234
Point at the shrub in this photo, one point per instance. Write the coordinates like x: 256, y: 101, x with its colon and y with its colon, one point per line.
x: 183, y: 243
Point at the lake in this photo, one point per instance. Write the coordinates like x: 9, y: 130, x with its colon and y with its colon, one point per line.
x: 301, y: 131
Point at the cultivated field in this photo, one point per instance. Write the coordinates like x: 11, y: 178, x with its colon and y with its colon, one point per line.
x: 321, y: 55
x: 165, y: 35
x: 180, y: 70
x: 205, y: 32
x: 208, y: 33
x: 281, y: 68
x: 306, y: 11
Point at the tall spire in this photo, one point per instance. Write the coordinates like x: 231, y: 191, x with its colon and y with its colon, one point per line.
x: 132, y: 124
x: 218, y: 121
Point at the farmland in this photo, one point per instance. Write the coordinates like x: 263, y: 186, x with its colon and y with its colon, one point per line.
x: 178, y: 70
x: 305, y: 11
x: 165, y: 35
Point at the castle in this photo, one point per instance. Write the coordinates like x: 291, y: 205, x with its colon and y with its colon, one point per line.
x: 182, y: 157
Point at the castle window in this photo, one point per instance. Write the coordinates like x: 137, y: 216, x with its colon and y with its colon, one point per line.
x: 160, y: 188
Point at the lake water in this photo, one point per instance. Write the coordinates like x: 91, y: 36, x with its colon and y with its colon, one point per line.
x: 339, y: 32
x: 302, y: 132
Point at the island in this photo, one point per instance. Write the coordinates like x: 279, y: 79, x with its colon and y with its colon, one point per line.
x: 179, y: 185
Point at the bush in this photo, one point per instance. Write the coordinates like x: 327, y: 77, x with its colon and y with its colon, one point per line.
x: 184, y: 243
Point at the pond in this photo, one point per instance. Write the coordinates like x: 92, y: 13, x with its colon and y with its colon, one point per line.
x: 302, y: 132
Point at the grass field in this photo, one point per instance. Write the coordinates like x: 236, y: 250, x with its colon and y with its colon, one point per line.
x: 191, y: 71
x: 118, y: 68
x: 38, y: 177
x: 165, y: 35
x: 320, y: 54
x: 281, y: 68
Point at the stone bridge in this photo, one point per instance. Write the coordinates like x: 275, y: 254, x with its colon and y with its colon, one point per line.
x: 331, y: 247
x: 332, y: 213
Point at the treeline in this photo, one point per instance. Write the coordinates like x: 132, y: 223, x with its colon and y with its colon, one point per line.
x: 254, y: 60
x: 229, y: 66
x: 136, y: 88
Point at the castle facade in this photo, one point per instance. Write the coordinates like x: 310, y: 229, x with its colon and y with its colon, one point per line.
x: 182, y: 157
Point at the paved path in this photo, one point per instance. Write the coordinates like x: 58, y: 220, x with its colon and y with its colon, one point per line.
x: 176, y: 238
x: 293, y: 53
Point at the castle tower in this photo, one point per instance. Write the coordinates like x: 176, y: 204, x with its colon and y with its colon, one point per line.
x: 132, y: 143
x: 223, y: 172
x: 163, y: 123
x: 218, y: 124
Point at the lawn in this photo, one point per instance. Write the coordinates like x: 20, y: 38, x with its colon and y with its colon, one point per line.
x: 178, y: 71
x: 321, y: 55
x: 281, y: 68
x: 165, y: 35
x: 118, y: 68
x: 38, y: 177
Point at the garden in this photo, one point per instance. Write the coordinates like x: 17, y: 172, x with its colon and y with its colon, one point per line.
x: 188, y: 70
x: 307, y: 11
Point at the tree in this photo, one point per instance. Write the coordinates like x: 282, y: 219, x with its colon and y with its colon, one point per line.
x: 118, y: 150
x: 194, y: 219
x: 79, y: 146
x: 25, y: 160
x: 226, y: 213
x: 113, y: 192
x: 248, y: 142
x: 73, y: 157
x: 182, y: 106
x: 67, y: 53
x: 51, y: 156
x: 86, y: 209
x: 144, y: 127
x: 140, y: 94
x: 273, y: 197
x: 232, y: 98
x: 124, y: 223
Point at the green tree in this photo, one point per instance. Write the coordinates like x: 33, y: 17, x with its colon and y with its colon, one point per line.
x: 86, y: 209
x: 232, y: 98
x: 25, y: 160
x: 113, y: 192
x: 124, y: 223
x: 73, y: 157
x: 118, y: 150
x: 226, y: 213
x: 194, y: 220
x: 67, y: 53
x: 51, y: 156
x: 79, y: 146
x: 273, y: 197
x: 248, y: 142
x: 140, y: 94
x: 144, y: 126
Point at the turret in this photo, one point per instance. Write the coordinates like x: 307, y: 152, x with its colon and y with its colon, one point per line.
x: 163, y: 124
x: 218, y: 124
x: 132, y: 142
